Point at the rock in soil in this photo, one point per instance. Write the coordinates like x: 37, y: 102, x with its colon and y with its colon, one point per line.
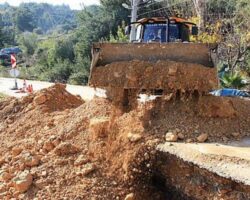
x: 23, y: 181
x: 202, y: 138
x: 88, y: 168
x: 171, y: 137
x: 130, y: 196
x: 133, y: 137
x: 181, y: 136
x: 66, y: 148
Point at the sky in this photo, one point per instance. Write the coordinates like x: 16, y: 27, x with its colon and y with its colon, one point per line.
x: 74, y: 4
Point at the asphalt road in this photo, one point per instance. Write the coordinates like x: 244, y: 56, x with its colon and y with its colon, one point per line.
x: 87, y: 93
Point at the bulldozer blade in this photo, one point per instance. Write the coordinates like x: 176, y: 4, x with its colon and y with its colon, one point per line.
x: 180, y: 52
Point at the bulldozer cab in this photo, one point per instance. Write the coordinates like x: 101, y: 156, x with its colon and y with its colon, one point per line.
x: 164, y: 30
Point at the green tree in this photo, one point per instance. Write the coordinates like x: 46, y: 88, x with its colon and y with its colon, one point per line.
x: 1, y: 33
x: 1, y: 38
x: 38, y: 31
x: 24, y: 19
x: 64, y: 49
x: 96, y: 23
x: 121, y: 37
x: 9, y: 35
x: 60, y: 72
x: 28, y: 42
x: 80, y: 71
x: 113, y: 11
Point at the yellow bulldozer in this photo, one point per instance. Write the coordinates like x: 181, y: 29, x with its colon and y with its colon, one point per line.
x: 161, y: 60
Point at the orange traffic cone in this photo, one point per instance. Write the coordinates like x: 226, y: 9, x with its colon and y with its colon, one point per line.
x: 31, y: 88
x: 28, y: 88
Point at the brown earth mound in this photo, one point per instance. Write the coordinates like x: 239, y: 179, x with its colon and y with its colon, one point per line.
x: 54, y: 145
x: 165, y: 75
x: 56, y: 98
x: 51, y: 99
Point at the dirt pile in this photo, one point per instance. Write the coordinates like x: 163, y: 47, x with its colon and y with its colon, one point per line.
x: 54, y: 145
x: 165, y: 75
x: 44, y: 145
x: 55, y: 98
x: 221, y: 119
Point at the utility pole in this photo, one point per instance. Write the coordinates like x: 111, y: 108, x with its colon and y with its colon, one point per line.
x: 135, y: 6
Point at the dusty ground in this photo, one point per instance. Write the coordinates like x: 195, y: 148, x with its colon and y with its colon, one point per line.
x: 56, y: 146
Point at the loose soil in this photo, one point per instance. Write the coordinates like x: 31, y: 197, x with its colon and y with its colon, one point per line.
x: 163, y: 75
x: 93, y: 150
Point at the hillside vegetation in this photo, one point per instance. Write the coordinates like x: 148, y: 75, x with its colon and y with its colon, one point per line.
x: 56, y: 41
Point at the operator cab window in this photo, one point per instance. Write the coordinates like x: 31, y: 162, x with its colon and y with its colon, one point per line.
x: 155, y: 33
x: 158, y: 33
x: 174, y: 33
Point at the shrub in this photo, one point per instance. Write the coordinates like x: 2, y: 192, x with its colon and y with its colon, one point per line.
x: 60, y: 72
x: 234, y: 80
x: 78, y: 78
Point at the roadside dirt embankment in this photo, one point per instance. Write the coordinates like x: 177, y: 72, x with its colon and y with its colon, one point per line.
x: 184, y: 180
x: 54, y: 144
